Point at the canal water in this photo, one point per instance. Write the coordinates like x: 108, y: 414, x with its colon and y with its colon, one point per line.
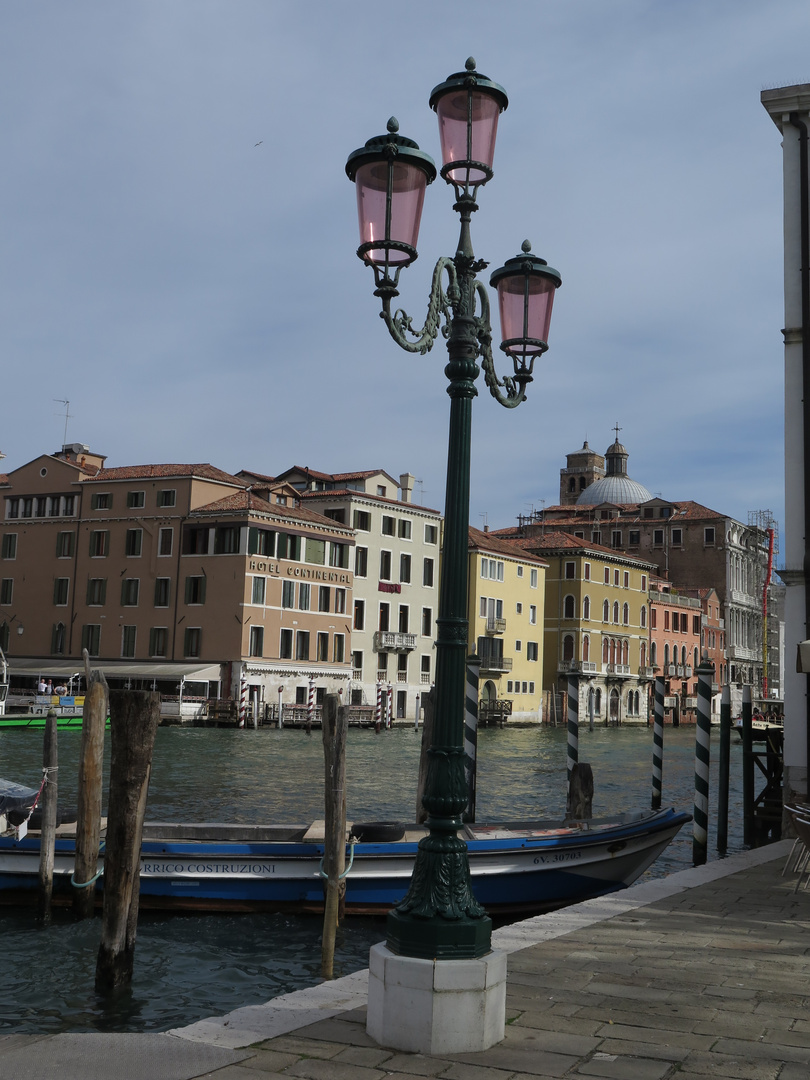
x: 191, y: 966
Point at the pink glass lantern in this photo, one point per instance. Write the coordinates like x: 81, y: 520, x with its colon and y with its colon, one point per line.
x: 526, y: 287
x: 468, y: 105
x: 390, y: 173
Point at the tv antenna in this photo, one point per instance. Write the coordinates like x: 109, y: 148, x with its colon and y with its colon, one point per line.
x: 66, y: 403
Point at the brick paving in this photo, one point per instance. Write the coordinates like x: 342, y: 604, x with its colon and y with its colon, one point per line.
x: 711, y: 981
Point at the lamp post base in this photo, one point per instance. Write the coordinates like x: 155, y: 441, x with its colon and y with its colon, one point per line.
x: 436, y: 1006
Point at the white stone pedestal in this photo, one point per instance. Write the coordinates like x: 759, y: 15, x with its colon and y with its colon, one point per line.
x: 436, y: 1006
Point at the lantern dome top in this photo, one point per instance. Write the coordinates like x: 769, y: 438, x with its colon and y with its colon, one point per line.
x: 391, y: 145
x: 525, y: 263
x: 467, y: 79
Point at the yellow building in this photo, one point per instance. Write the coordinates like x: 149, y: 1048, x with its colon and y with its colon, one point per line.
x: 505, y: 613
x: 596, y: 624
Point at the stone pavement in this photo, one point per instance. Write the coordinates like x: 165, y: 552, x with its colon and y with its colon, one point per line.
x: 704, y: 973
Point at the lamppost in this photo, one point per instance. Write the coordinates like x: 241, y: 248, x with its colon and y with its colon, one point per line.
x: 439, y: 917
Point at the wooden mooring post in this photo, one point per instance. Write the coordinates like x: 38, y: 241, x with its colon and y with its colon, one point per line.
x: 134, y: 719
x: 723, y: 770
x: 47, y: 802
x: 335, y: 724
x: 91, y: 768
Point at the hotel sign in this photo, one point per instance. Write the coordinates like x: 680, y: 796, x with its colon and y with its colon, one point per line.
x: 306, y: 573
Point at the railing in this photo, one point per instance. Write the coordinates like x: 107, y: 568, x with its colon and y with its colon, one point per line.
x: 425, y: 680
x: 388, y: 641
x: 646, y: 672
x: 382, y: 675
x: 618, y: 669
x: 587, y: 666
x: 495, y: 625
x: 567, y: 665
x: 357, y: 674
x: 496, y: 663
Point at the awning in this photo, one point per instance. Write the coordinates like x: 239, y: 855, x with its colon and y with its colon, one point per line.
x: 113, y: 669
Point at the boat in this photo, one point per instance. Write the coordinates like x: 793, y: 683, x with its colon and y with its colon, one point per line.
x: 761, y: 727
x: 516, y: 867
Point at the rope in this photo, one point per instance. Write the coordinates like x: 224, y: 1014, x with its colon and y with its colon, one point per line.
x: 348, y: 868
x: 85, y: 884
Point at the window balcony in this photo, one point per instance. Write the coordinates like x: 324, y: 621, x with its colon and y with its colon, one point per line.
x: 495, y: 625
x: 496, y: 664
x: 646, y: 672
x: 388, y: 641
x: 618, y: 669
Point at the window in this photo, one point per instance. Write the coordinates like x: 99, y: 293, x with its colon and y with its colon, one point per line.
x: 586, y: 608
x: 4, y: 636
x: 57, y: 639
x: 339, y: 555
x: 402, y: 667
x: 658, y: 537
x: 695, y: 624
x: 12, y: 511
x: 627, y: 579
x: 653, y: 618
x: 708, y: 536
x: 381, y: 490
x: 492, y: 569
x: 130, y: 588
x: 519, y: 608
x: 616, y: 611
x: 289, y: 547
x: 167, y: 497
x: 9, y: 550
x: 388, y: 526
x: 531, y: 650
x: 427, y: 621
x: 163, y: 588
x: 359, y: 615
x: 361, y: 562
x: 101, y: 501
x: 586, y: 571
x: 6, y: 590
x: 616, y: 576
x: 568, y: 607
x: 304, y: 591
x: 666, y: 620
x: 165, y: 541
x: 607, y: 575
x: 134, y: 542
x: 339, y: 648
x: 322, y: 647
x: 568, y: 648
x: 96, y: 591
x: 261, y: 541
x: 385, y: 566
x: 288, y: 594
x: 643, y: 617
x: 64, y: 545
x: 195, y: 590
x: 403, y: 618
x: 338, y: 515
x: 315, y: 551
x: 518, y: 645
x: 226, y: 540
x: 606, y: 611
x: 431, y: 534
x: 258, y: 594
x: 533, y: 612
x: 405, y: 568
x: 643, y: 582
x: 192, y: 640
x: 677, y: 537
x: 61, y: 587
x: 361, y: 520
x: 128, y: 636
x: 27, y: 508
x: 533, y: 579
x: 385, y: 617
x: 91, y: 638
x: 285, y: 649
x: 570, y: 571
x: 404, y: 529
x: 302, y: 645
x: 68, y: 508
x: 427, y: 573
x: 99, y: 543
x: 340, y: 601
x: 635, y: 537
x: 135, y: 500
x: 256, y: 641
x: 616, y: 538
x: 195, y: 540
x: 626, y: 614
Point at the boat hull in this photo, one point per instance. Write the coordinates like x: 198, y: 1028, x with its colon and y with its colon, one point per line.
x: 514, y: 868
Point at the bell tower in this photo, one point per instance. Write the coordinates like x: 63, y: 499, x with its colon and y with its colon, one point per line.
x: 582, y: 468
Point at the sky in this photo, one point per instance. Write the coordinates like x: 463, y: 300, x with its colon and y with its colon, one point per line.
x: 178, y: 237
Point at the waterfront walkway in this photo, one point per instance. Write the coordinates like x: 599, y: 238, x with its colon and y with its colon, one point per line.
x: 703, y: 973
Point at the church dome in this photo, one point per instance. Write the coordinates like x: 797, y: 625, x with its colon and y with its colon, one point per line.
x: 616, y: 486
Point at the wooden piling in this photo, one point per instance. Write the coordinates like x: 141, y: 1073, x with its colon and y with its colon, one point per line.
x: 748, y: 768
x: 134, y: 719
x: 334, y: 727
x: 428, y: 701
x: 580, y: 793
x: 723, y: 765
x: 91, y: 768
x: 47, y: 803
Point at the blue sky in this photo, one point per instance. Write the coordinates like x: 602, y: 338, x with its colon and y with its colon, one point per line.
x: 197, y: 297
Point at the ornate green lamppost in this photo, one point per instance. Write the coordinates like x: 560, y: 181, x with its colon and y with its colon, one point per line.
x: 440, y: 918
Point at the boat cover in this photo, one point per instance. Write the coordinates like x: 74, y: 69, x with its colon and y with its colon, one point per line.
x: 15, y: 796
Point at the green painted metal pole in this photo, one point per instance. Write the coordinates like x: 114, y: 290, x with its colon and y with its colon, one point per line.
x: 748, y: 769
x: 723, y: 767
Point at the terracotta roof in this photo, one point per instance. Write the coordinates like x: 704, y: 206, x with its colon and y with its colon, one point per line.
x: 363, y: 495
x: 257, y: 476
x: 3, y: 478
x: 162, y: 472
x: 563, y: 541
x: 485, y: 541
x: 245, y: 502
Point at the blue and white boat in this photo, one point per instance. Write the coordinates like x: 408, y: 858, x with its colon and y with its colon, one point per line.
x: 516, y: 867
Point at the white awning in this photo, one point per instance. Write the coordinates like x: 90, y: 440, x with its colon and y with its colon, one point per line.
x: 113, y: 669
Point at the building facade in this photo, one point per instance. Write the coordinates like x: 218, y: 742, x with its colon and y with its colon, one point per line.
x: 676, y: 625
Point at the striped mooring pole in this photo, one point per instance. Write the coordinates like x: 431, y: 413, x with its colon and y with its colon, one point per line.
x: 378, y: 708
x: 242, y: 700
x: 573, y: 723
x: 310, y: 704
x: 703, y: 728
x: 389, y: 709
x: 658, y: 743
x: 723, y: 775
x: 471, y: 733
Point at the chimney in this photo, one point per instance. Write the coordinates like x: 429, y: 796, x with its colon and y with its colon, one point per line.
x: 406, y: 482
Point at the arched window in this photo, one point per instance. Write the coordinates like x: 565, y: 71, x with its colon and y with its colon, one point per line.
x: 606, y: 611
x: 643, y: 616
x: 58, y: 639
x: 642, y: 656
x: 598, y: 703
x: 654, y: 654
x: 683, y: 655
x: 625, y: 652
x: 568, y: 607
x: 568, y: 647
x: 582, y: 483
x: 696, y: 657
x: 605, y: 651
x: 666, y: 656
x: 586, y: 608
x: 615, y: 611
x: 572, y: 484
x: 626, y: 614
x: 613, y: 650
x: 586, y: 648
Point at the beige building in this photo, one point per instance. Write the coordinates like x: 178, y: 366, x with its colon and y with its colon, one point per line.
x: 171, y: 575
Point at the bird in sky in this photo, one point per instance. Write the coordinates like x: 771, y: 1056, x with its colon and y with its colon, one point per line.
x: 259, y: 143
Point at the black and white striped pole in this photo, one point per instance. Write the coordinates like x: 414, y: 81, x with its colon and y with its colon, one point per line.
x: 471, y: 732
x: 703, y: 729
x: 658, y: 743
x: 573, y: 723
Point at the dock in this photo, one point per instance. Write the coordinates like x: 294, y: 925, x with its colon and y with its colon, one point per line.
x: 702, y: 973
